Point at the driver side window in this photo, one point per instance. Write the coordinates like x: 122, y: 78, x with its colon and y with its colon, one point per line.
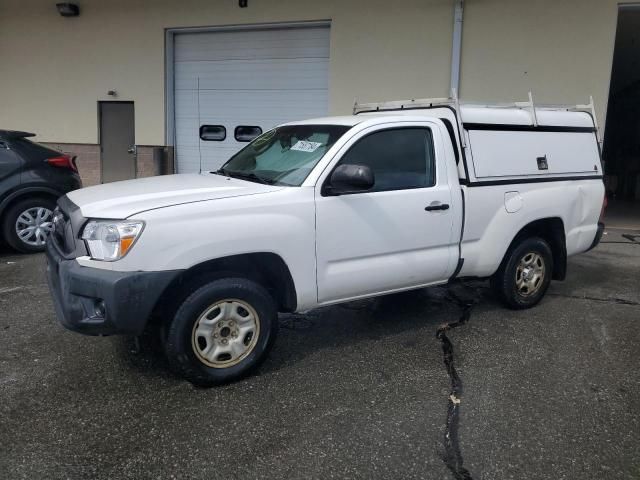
x: 400, y: 158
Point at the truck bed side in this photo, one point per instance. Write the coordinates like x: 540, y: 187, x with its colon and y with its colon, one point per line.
x: 496, y: 214
x: 520, y: 174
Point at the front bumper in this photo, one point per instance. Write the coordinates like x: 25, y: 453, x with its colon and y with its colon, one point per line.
x: 93, y: 301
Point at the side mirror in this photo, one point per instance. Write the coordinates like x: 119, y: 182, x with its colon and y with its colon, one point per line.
x: 350, y: 179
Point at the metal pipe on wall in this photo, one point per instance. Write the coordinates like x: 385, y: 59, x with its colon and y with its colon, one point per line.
x: 456, y: 51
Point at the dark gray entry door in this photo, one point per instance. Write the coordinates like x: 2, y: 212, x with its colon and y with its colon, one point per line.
x: 117, y: 141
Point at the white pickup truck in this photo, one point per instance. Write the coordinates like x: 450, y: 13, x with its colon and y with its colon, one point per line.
x: 324, y: 211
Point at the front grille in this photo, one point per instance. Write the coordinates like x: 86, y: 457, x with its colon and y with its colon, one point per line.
x: 61, y: 230
x: 68, y: 223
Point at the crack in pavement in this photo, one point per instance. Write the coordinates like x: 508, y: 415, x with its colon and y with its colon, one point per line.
x: 10, y: 289
x: 35, y: 286
x: 618, y: 301
x: 452, y: 455
x: 634, y: 238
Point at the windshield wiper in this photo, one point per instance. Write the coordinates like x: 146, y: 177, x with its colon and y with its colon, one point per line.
x: 251, y: 177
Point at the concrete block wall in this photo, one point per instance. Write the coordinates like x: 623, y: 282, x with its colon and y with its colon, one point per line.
x: 88, y: 160
x: 144, y: 165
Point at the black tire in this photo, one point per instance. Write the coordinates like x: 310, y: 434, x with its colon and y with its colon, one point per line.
x: 505, y: 281
x: 181, y: 339
x: 10, y: 218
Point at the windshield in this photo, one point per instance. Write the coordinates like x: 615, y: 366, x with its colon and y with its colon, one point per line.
x: 284, y: 155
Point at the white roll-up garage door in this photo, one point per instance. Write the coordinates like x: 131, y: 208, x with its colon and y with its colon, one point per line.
x: 230, y: 85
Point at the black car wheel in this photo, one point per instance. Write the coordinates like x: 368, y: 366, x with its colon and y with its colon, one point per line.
x: 525, y: 273
x: 222, y: 331
x: 27, y: 224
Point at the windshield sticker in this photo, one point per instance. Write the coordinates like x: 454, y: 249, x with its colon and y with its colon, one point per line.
x: 304, y: 146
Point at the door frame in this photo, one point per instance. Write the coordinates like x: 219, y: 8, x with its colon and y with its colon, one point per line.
x: 445, y: 168
x: 135, y: 157
x: 169, y: 47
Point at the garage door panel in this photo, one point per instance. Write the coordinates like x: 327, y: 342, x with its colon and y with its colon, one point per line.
x: 247, y: 105
x: 243, y: 44
x: 212, y: 158
x: 253, y: 74
x: 188, y: 159
x: 187, y: 132
x: 254, y: 103
x: 244, y: 78
x: 186, y: 104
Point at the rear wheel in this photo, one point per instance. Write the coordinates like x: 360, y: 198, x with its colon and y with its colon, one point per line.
x: 222, y: 331
x: 525, y: 273
x: 27, y: 224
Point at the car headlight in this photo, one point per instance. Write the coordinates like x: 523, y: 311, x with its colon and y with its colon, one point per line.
x: 110, y: 240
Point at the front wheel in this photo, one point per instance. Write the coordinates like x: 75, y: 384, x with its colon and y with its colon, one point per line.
x: 222, y: 331
x: 27, y: 224
x: 525, y: 273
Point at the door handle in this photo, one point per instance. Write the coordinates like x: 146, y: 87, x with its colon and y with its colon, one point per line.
x: 442, y: 206
x: 133, y: 150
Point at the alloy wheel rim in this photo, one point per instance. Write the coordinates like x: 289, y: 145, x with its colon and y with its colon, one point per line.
x: 530, y: 274
x: 34, y: 225
x: 225, y: 333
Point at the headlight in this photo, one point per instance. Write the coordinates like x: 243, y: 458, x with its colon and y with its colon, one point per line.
x: 110, y: 240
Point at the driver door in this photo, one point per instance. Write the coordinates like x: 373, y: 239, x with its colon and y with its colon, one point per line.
x: 384, y: 240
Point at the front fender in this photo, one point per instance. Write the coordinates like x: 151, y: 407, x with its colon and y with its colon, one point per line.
x: 182, y: 236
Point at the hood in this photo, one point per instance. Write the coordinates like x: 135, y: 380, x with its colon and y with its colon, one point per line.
x: 122, y: 199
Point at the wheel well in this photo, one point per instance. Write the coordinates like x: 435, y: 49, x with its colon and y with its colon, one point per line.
x: 551, y: 230
x: 24, y: 196
x: 267, y: 269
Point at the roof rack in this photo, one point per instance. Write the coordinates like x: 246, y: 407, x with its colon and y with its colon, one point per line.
x: 454, y: 102
x: 451, y: 101
x: 400, y: 104
x: 591, y: 108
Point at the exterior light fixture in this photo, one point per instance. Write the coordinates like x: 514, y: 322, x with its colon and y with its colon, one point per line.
x: 68, y: 9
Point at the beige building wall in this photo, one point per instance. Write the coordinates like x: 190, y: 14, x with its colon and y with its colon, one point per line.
x: 54, y: 70
x: 561, y: 50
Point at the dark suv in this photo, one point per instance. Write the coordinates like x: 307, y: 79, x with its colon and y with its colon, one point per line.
x: 32, y: 177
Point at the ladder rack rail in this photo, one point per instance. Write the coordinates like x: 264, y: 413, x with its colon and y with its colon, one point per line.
x: 454, y: 102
